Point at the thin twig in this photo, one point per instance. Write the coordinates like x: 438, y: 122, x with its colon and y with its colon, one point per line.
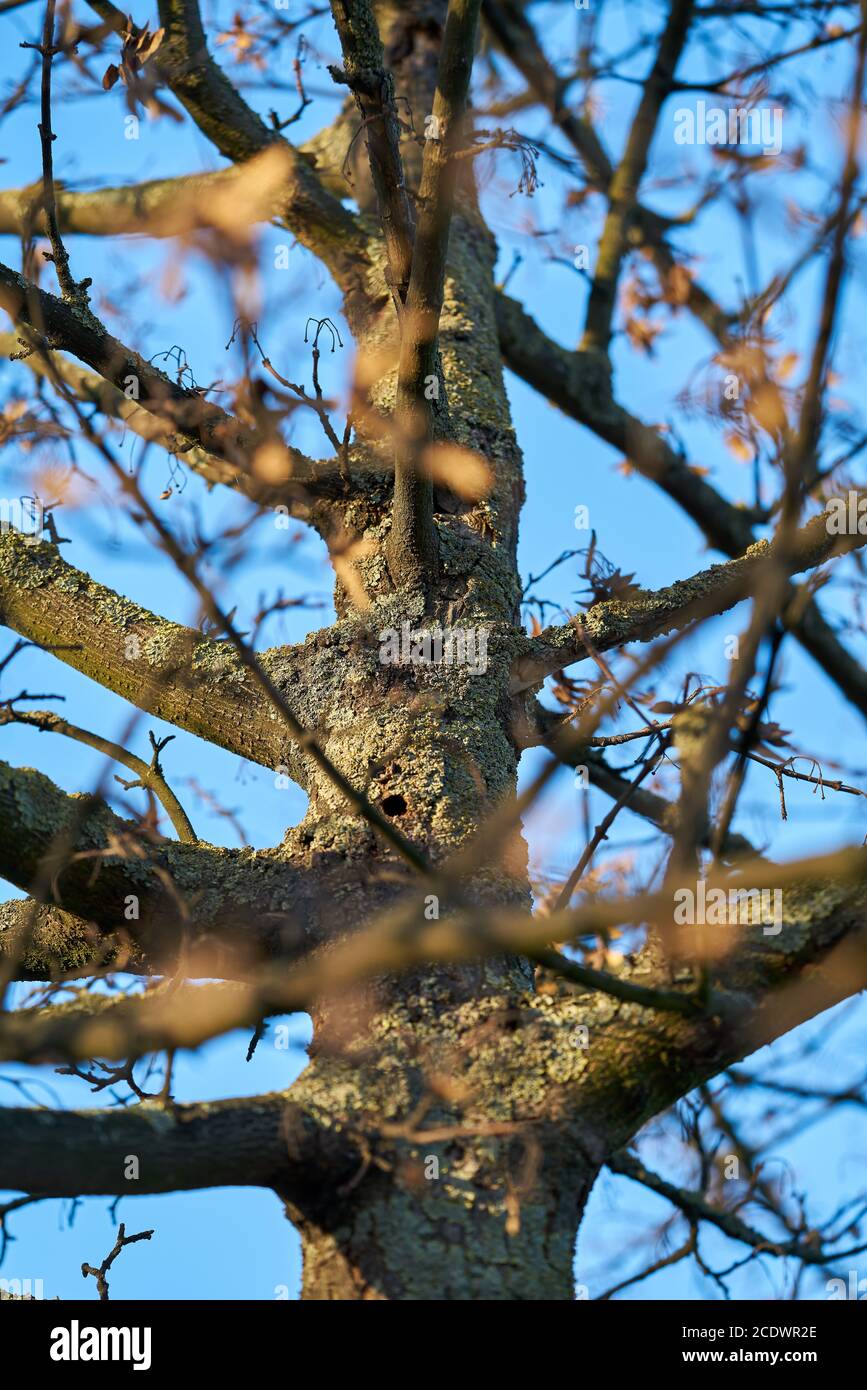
x: 100, y: 1274
x: 150, y: 775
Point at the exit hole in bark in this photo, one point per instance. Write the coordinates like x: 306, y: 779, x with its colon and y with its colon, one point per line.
x: 394, y: 804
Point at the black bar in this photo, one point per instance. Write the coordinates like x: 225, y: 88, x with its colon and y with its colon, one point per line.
x: 655, y: 1338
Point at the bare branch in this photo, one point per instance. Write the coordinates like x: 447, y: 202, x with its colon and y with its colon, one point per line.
x: 100, y: 1275
x: 696, y: 1207
x: 311, y: 491
x: 118, y: 1026
x: 373, y: 89
x: 74, y: 292
x: 150, y: 775
x: 182, y: 411
x: 412, y: 544
x: 167, y: 670
x: 573, y: 381
x: 266, y: 1141
x: 625, y: 181
x: 547, y: 726
x: 223, y: 911
x: 518, y: 40
x: 814, y: 390
x: 318, y: 218
x: 177, y: 207
x: 648, y: 614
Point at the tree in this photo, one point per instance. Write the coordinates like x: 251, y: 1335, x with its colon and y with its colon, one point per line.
x: 478, y: 1059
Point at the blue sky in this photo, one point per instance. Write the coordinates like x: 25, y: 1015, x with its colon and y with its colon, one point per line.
x: 235, y: 1244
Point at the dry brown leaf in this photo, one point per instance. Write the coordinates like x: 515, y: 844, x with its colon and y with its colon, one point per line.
x: 344, y: 562
x: 767, y: 409
x: 232, y: 204
x: 372, y: 365
x: 462, y: 470
x: 678, y: 284
x: 57, y: 483
x: 272, y: 463
x: 148, y: 44
x: 739, y: 447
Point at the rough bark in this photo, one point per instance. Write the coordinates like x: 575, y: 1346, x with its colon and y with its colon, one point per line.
x: 445, y: 1135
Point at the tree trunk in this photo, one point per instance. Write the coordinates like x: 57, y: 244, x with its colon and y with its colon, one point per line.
x: 394, y: 1244
x: 472, y: 1216
x: 450, y: 1201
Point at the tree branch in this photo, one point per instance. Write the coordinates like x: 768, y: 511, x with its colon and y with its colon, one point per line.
x: 825, y: 907
x: 647, y: 614
x: 73, y: 291
x: 120, y: 1026
x: 55, y: 944
x: 318, y: 219
x: 182, y: 410
x: 312, y: 491
x: 373, y: 88
x: 163, y: 668
x: 518, y: 40
x: 150, y: 775
x: 624, y: 184
x: 761, y: 988
x: 696, y: 1207
x: 412, y: 547
x: 220, y: 911
x: 548, y: 725
x: 575, y: 383
x: 265, y: 1141
x: 100, y: 1275
x: 182, y: 205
